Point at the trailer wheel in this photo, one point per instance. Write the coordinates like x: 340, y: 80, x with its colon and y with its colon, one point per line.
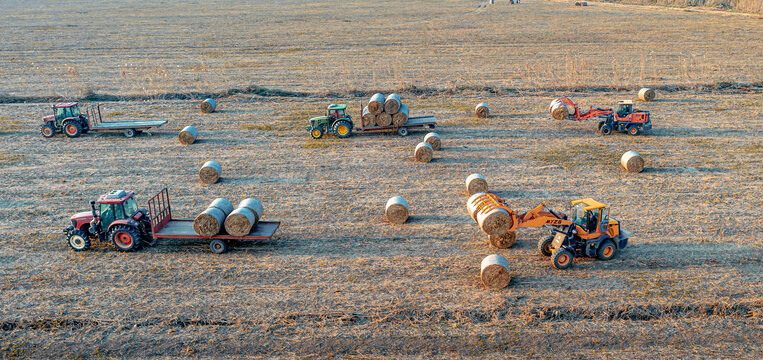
x: 47, y: 130
x: 562, y: 259
x: 125, y: 238
x: 218, y: 246
x: 316, y: 133
x: 130, y: 133
x: 79, y: 240
x: 544, y: 246
x: 633, y: 130
x: 605, y: 130
x: 403, y: 131
x: 607, y: 250
x: 72, y: 129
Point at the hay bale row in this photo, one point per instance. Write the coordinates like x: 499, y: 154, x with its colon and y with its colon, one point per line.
x: 384, y: 112
x: 221, y: 214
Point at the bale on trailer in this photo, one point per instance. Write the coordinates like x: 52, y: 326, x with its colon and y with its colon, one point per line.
x: 401, y: 117
x: 494, y: 222
x: 188, y: 135
x: 240, y: 222
x: 494, y: 272
x: 646, y: 94
x: 423, y: 152
x: 392, y: 104
x: 255, y: 206
x: 384, y: 120
x: 476, y: 183
x: 210, y: 172
x: 396, y: 210
x: 208, y: 106
x: 368, y: 118
x: 632, y: 162
x: 482, y: 110
x: 376, y: 104
x: 434, y: 140
x: 223, y: 204
x: 209, y: 222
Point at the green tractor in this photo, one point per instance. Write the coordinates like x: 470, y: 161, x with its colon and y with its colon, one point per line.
x: 336, y: 122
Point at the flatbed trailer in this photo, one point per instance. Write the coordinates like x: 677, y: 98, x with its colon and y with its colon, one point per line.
x: 428, y: 122
x: 163, y: 226
x: 130, y: 128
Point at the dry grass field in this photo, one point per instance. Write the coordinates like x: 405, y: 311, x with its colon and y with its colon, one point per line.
x: 337, y: 281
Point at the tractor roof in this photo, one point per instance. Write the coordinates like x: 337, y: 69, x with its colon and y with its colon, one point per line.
x: 337, y: 107
x: 65, y: 105
x: 590, y: 204
x: 115, y: 197
x: 625, y: 102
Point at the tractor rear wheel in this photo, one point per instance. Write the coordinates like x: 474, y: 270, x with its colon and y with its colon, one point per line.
x: 125, y: 238
x: 343, y: 129
x: 544, y: 246
x: 218, y: 246
x: 562, y: 259
x: 316, y: 133
x: 605, y: 130
x: 72, y: 129
x: 633, y: 130
x: 47, y: 130
x: 79, y: 240
x: 607, y: 250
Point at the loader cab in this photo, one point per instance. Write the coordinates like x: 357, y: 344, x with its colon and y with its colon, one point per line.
x: 624, y: 108
x: 335, y: 111
x: 116, y: 205
x: 591, y: 215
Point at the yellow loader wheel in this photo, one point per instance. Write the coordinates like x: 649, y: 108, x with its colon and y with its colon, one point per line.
x: 316, y: 133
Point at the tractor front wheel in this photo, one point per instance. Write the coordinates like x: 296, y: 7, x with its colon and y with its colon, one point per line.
x: 633, y: 130
x: 562, y: 259
x: 607, y: 250
x: 218, y: 246
x: 130, y: 133
x: 316, y: 133
x: 72, y: 129
x: 544, y: 246
x: 79, y: 240
x: 47, y: 130
x: 605, y: 130
x: 343, y: 129
x: 125, y: 238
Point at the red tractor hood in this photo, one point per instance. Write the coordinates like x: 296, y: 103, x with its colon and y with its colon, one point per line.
x: 48, y: 118
x: 84, y: 216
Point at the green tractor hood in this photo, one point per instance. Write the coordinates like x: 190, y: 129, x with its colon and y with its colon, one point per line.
x: 318, y: 118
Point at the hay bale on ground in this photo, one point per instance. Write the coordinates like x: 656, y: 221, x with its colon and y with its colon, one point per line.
x: 392, y: 104
x: 434, y: 140
x: 240, y: 222
x: 188, y: 135
x: 494, y: 222
x: 401, y: 117
x: 482, y: 110
x: 209, y: 222
x: 503, y: 241
x: 476, y: 183
x: 396, y: 210
x: 423, y: 152
x: 646, y: 94
x: 210, y: 172
x: 632, y: 162
x: 494, y: 272
x: 368, y: 118
x: 208, y: 106
x: 376, y: 104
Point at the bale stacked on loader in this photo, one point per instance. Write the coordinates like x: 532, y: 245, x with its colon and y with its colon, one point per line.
x: 210, y: 172
x: 211, y: 220
x: 493, y: 220
x: 646, y: 94
x: 188, y: 135
x: 561, y: 109
x: 482, y: 110
x: 208, y: 106
x: 396, y: 210
x: 494, y: 272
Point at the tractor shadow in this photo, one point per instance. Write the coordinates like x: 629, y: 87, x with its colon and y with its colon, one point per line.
x: 696, y: 132
x: 684, y: 170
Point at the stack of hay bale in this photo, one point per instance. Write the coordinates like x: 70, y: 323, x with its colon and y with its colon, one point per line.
x: 384, y: 112
x: 221, y: 214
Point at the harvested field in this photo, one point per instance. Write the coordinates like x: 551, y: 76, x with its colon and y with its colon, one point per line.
x: 338, y: 280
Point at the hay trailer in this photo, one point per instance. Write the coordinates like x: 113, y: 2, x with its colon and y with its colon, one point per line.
x: 68, y: 119
x: 163, y: 226
x: 339, y: 123
x: 415, y: 122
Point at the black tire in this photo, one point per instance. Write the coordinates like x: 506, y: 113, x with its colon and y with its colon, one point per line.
x: 72, y: 128
x: 544, y: 246
x: 47, y: 130
x: 607, y: 250
x: 345, y: 131
x: 147, y: 239
x: 634, y: 130
x: 403, y: 131
x: 605, y: 130
x: 504, y: 241
x: 125, y: 238
x: 562, y: 259
x: 79, y: 240
x: 316, y: 133
x: 218, y: 246
x: 130, y: 133
x: 598, y: 128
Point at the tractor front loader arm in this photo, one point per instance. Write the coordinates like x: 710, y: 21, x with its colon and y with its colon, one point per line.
x: 592, y: 113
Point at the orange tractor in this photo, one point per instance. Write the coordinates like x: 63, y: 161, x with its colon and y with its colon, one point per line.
x: 625, y: 119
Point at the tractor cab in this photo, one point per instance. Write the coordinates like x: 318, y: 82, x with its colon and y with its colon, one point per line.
x: 624, y: 108
x: 590, y: 216
x: 116, y: 205
x: 335, y: 111
x: 65, y: 111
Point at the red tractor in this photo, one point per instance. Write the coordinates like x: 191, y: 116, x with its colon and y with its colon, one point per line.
x: 117, y: 219
x: 66, y: 118
x: 625, y: 119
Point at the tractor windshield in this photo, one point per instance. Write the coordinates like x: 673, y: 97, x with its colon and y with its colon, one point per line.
x: 579, y: 214
x: 75, y: 111
x: 131, y: 206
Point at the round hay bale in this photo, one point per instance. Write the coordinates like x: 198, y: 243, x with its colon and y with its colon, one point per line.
x: 376, y: 104
x: 494, y: 272
x: 471, y: 205
x: 423, y: 152
x: 210, y: 172
x: 368, y: 118
x: 223, y: 204
x: 188, y: 135
x: 240, y: 222
x: 646, y: 94
x: 476, y: 183
x: 494, y: 222
x: 208, y: 106
x: 632, y: 162
x: 384, y: 119
x: 396, y: 210
x: 503, y: 241
x: 392, y: 104
x: 401, y: 117
x: 482, y: 110
x: 560, y: 111
x: 209, y: 222
x: 255, y: 206
x: 434, y: 140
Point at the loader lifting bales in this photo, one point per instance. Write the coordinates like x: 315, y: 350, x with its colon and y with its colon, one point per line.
x: 624, y: 119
